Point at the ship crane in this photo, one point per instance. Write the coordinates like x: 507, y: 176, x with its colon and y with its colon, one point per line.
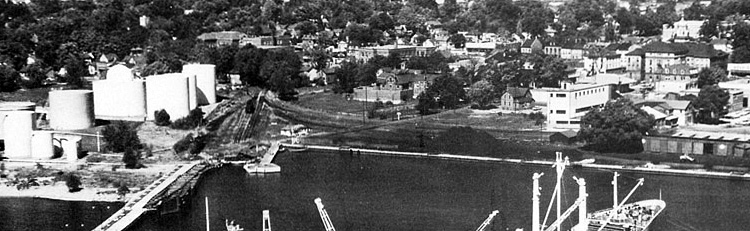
x: 612, y: 215
x: 487, y: 221
x: 565, y: 215
x: 324, y: 216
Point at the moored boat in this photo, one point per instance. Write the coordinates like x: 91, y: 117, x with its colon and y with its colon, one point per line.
x: 632, y: 217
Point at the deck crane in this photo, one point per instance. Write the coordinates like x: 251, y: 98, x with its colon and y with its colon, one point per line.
x: 612, y: 215
x: 580, y: 204
x: 324, y: 216
x: 487, y: 221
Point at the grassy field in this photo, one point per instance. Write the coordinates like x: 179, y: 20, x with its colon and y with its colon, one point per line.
x: 331, y: 102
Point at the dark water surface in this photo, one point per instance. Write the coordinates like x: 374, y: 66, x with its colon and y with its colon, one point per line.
x: 390, y: 193
x: 20, y: 214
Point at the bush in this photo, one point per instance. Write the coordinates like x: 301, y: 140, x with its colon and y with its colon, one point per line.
x: 193, y: 120
x: 123, y: 189
x: 120, y: 136
x: 198, y: 144
x: 132, y: 158
x: 183, y: 144
x: 73, y: 182
x: 161, y: 118
x: 8, y: 79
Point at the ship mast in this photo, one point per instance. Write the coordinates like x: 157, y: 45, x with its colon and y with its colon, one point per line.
x: 535, y: 202
x: 560, y: 167
x: 614, y: 190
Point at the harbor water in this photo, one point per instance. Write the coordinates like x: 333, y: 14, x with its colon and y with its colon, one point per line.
x: 21, y: 214
x: 392, y: 193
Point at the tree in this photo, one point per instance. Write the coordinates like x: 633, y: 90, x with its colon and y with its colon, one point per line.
x: 119, y: 136
x: 73, y: 182
x: 35, y: 76
x: 740, y: 55
x: 425, y: 101
x: 75, y: 69
x: 192, y: 120
x: 481, y: 93
x: 694, y: 12
x: 711, y: 104
x: 345, y: 78
x: 458, y: 40
x: 8, y: 79
x: 381, y: 21
x: 247, y: 61
x: 741, y: 37
x: 156, y: 68
x: 361, y: 35
x: 123, y: 189
x: 306, y: 28
x: 447, y: 90
x: 618, y: 127
x: 709, y: 29
x: 710, y: 76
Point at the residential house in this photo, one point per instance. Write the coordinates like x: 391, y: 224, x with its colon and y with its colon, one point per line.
x: 678, y: 112
x: 738, y: 69
x: 480, y: 49
x: 552, y: 49
x: 675, y: 86
x: 659, y: 117
x: 223, y: 38
x: 568, y: 104
x: 532, y: 45
x: 739, y: 84
x: 682, y: 31
x: 660, y: 54
x: 516, y: 98
x: 572, y: 51
x: 677, y: 72
x: 403, y: 51
x: 634, y: 63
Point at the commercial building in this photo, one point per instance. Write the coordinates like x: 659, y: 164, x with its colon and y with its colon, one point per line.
x: 568, y: 104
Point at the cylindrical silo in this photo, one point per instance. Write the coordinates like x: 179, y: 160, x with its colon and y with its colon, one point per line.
x: 205, y: 81
x: 13, y: 106
x: 71, y: 109
x: 192, y: 92
x: 41, y: 145
x: 18, y: 126
x: 121, y: 100
x: 169, y: 92
x: 119, y: 72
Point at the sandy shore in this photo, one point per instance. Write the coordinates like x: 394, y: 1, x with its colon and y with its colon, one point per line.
x: 60, y: 192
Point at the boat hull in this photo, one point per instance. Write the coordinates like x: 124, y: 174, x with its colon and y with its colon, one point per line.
x: 631, y: 217
x: 255, y: 168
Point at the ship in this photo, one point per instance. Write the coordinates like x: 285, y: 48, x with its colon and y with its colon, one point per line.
x: 630, y: 217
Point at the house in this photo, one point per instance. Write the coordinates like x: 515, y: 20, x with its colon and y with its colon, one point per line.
x: 572, y: 51
x: 659, y: 117
x: 677, y: 72
x: 552, y: 49
x: 390, y: 91
x: 223, y: 38
x: 676, y: 86
x: 565, y: 137
x: 516, y: 98
x: 403, y: 51
x: 633, y: 62
x: 660, y: 54
x: 568, y: 104
x: 682, y: 31
x: 736, y: 69
x: 480, y: 49
x: 532, y: 45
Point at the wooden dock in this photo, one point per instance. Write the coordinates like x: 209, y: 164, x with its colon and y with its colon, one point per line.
x: 138, y: 204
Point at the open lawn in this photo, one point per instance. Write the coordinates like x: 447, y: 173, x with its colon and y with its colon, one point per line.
x: 476, y: 118
x: 328, y: 101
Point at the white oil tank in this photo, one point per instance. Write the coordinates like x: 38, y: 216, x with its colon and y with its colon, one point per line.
x: 120, y: 100
x: 169, y: 92
x: 71, y: 109
x: 13, y: 106
x: 120, y: 72
x: 41, y: 145
x: 192, y: 92
x: 206, y: 81
x: 18, y: 126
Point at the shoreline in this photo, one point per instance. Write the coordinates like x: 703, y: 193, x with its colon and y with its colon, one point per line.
x: 624, y: 168
x: 60, y: 192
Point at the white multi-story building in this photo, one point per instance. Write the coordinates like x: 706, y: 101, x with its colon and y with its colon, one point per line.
x: 681, y: 31
x: 568, y: 104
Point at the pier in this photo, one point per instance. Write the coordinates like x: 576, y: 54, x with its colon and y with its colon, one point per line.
x: 172, y: 185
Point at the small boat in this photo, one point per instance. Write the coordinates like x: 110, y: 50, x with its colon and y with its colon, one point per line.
x: 261, y: 168
x: 232, y: 227
x: 634, y: 216
x: 295, y: 148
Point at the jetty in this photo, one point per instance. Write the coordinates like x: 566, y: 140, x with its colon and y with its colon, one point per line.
x: 174, y: 186
x: 265, y: 165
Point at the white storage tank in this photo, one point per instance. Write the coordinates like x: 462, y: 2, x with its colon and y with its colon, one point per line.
x: 42, y: 147
x: 120, y: 72
x: 120, y: 100
x: 71, y: 109
x: 206, y: 81
x: 18, y: 126
x: 169, y: 92
x: 13, y: 106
